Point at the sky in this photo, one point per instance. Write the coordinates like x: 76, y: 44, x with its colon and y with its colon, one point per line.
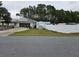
x: 15, y: 6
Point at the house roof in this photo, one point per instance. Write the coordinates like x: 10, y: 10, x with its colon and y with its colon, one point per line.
x: 24, y: 20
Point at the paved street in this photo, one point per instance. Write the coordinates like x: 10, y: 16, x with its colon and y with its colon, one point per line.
x: 39, y: 46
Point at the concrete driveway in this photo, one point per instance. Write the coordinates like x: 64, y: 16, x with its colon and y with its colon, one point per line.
x: 10, y: 31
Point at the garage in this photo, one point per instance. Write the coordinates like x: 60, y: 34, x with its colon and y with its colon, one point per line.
x: 24, y: 24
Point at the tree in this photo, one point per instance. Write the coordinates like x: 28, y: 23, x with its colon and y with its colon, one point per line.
x: 41, y: 11
x: 0, y: 3
x: 76, y: 17
x: 7, y: 18
x: 4, y: 15
x: 24, y: 12
x: 49, y: 13
x: 60, y: 15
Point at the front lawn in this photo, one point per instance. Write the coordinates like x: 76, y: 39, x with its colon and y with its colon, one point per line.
x: 42, y: 32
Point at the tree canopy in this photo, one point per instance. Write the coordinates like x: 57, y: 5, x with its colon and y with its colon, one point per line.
x: 4, y: 14
x: 49, y: 13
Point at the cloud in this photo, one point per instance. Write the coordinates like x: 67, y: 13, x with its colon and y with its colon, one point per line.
x: 73, y: 2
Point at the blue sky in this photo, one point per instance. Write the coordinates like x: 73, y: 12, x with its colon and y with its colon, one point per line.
x: 15, y: 6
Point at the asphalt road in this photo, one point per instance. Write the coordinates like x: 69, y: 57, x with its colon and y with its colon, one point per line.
x: 38, y: 46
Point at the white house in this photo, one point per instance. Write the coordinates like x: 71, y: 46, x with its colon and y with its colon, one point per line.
x: 24, y: 22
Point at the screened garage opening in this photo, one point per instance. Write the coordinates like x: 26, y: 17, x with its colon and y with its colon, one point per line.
x: 24, y: 25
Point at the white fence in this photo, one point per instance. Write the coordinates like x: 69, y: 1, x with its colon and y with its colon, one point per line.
x: 63, y: 28
x: 42, y: 24
x: 59, y: 28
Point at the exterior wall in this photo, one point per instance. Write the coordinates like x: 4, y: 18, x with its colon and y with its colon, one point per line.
x: 32, y: 25
x: 16, y: 25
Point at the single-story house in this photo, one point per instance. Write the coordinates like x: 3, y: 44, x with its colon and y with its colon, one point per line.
x: 24, y: 22
x: 29, y: 23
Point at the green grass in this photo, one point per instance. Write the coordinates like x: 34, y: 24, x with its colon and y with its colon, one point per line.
x: 42, y: 32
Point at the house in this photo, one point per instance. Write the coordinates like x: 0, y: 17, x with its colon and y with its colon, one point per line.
x: 24, y: 22
x: 28, y: 23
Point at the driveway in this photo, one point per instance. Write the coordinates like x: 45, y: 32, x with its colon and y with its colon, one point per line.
x: 10, y: 31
